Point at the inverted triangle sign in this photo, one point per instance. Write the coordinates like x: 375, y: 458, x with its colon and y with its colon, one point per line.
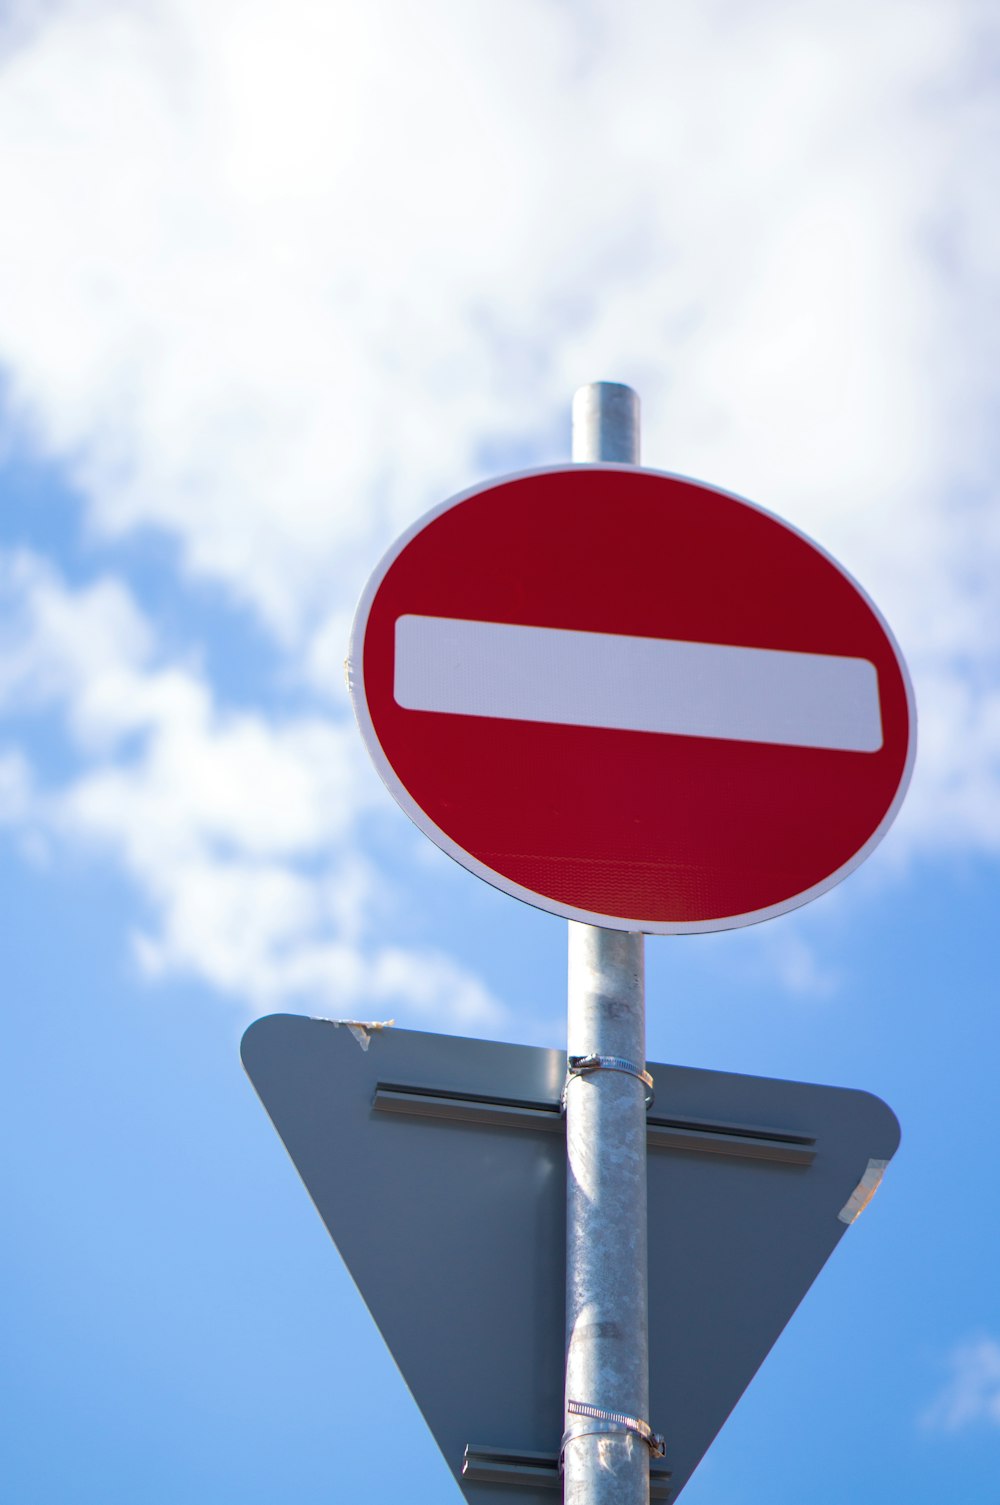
x: 438, y: 1166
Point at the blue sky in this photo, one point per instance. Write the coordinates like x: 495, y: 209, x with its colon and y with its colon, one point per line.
x: 274, y: 285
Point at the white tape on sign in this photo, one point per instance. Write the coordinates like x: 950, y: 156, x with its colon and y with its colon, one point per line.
x: 600, y: 679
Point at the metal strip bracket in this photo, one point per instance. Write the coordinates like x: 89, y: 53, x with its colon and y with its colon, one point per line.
x: 598, y: 1420
x: 583, y: 1065
x: 518, y: 1468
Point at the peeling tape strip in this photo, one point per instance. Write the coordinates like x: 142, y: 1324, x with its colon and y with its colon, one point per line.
x: 863, y: 1192
x: 363, y: 1029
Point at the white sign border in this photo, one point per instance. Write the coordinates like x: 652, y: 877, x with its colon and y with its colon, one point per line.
x: 402, y: 796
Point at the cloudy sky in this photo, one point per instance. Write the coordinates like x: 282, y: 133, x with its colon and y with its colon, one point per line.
x: 273, y: 282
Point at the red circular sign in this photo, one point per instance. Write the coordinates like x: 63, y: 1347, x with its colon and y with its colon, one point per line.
x: 632, y: 699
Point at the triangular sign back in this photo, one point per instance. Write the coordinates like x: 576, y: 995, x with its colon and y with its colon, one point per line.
x: 438, y: 1166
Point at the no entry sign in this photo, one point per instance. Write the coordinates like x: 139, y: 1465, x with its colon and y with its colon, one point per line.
x: 632, y: 699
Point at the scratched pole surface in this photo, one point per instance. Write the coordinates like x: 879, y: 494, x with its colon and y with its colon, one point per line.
x: 607, y: 1340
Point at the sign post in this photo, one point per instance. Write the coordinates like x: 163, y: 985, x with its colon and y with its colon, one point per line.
x: 648, y: 706
x: 605, y: 1457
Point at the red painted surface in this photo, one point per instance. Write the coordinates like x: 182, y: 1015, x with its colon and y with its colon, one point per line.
x: 654, y: 829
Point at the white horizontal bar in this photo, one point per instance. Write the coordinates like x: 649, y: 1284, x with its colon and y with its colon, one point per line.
x: 601, y: 679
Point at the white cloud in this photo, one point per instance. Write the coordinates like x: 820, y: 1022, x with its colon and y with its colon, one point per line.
x: 954, y: 802
x: 440, y: 984
x: 800, y: 969
x: 15, y: 787
x: 315, y: 267
x: 241, y: 835
x: 796, y: 954
x: 279, y: 287
x: 56, y: 646
x: 274, y: 287
x: 972, y: 1394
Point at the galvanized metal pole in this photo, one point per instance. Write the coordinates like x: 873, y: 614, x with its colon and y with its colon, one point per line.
x: 607, y: 1342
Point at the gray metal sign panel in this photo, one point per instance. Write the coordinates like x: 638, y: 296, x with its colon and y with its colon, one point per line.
x: 438, y: 1166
